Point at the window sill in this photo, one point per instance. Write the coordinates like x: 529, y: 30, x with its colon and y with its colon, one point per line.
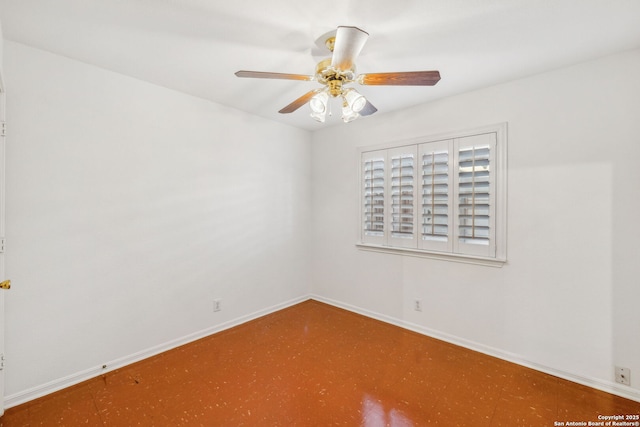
x: 489, y: 262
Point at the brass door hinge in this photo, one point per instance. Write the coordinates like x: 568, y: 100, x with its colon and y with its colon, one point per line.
x: 5, y: 285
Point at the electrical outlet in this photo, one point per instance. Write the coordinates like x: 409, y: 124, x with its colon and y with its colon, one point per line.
x: 417, y: 304
x: 217, y: 305
x: 623, y: 375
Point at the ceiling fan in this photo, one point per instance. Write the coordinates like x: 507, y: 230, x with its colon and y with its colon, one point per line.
x: 337, y: 72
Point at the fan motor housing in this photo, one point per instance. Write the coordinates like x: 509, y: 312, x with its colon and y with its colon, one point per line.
x: 332, y: 77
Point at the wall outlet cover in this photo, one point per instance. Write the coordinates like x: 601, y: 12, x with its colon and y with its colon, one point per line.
x: 623, y: 375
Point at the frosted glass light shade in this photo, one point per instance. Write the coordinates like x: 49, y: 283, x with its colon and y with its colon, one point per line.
x: 348, y: 115
x: 318, y: 116
x: 318, y: 103
x: 354, y: 99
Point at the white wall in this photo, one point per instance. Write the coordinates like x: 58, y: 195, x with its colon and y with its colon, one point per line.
x: 130, y: 207
x: 567, y: 299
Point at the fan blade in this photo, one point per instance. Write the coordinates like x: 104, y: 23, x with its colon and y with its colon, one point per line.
x: 299, y: 102
x: 349, y: 42
x: 409, y: 78
x: 267, y: 75
x: 368, y: 109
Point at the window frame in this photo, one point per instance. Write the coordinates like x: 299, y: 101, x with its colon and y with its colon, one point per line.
x: 447, y: 251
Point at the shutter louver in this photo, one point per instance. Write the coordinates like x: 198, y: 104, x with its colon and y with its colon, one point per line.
x: 374, y: 197
x: 476, y: 203
x: 435, y: 196
x: 474, y: 195
x: 402, y: 196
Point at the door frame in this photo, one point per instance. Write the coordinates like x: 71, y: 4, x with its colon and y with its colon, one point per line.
x: 2, y: 233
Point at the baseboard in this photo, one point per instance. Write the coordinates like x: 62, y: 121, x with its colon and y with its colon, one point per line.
x: 61, y: 383
x: 609, y: 387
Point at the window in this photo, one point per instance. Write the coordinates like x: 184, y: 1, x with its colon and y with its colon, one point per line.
x: 439, y: 197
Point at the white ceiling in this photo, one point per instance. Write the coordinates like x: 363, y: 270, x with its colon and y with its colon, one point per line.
x: 195, y: 46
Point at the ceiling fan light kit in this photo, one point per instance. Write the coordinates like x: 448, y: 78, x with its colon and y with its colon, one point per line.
x: 339, y: 70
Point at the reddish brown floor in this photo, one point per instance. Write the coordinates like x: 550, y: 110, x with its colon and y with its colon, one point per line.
x: 317, y: 365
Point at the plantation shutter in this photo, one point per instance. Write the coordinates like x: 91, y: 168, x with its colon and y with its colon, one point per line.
x: 374, y: 201
x: 439, y: 198
x: 436, y: 207
x: 475, y: 213
x: 403, y: 196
